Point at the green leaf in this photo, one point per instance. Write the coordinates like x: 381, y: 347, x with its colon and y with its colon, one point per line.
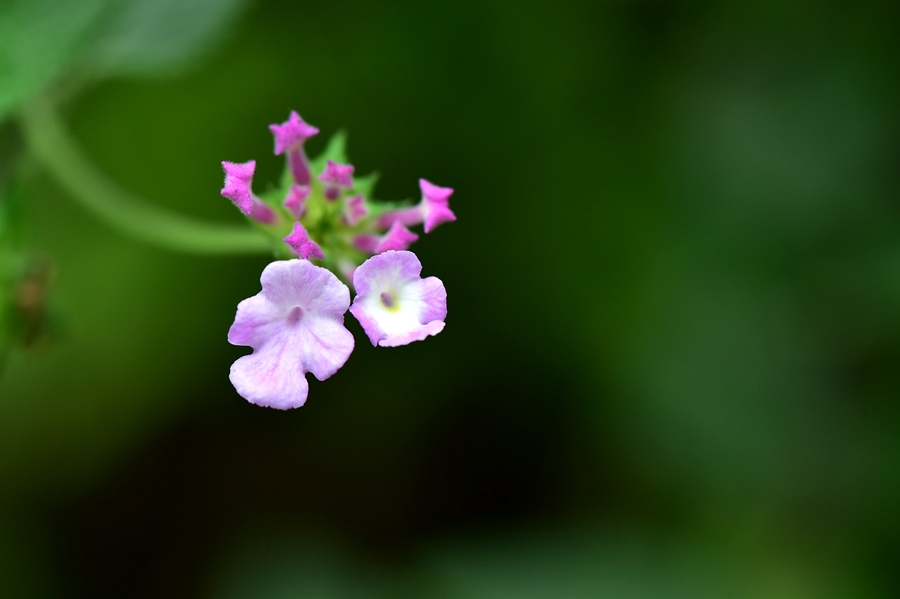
x: 336, y: 150
x: 366, y: 184
x: 158, y: 37
x: 41, y: 39
x: 38, y: 39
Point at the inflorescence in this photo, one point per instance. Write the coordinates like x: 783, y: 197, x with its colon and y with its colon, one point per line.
x: 325, y: 227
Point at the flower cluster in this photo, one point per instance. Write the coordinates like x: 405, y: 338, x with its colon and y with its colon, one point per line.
x: 325, y: 227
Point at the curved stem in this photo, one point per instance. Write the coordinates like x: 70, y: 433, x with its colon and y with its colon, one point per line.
x: 49, y: 142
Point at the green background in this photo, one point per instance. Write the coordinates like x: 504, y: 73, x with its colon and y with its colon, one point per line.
x: 671, y: 366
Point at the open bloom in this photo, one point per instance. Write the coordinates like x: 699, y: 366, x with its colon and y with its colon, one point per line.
x: 295, y: 325
x: 394, y: 305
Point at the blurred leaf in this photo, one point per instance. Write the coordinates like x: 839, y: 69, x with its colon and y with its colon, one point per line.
x: 282, y: 568
x: 336, y: 150
x: 153, y: 37
x: 10, y: 242
x: 628, y: 566
x: 531, y: 565
x: 38, y: 39
x: 365, y: 185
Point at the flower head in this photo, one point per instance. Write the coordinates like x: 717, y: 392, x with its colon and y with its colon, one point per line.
x: 295, y: 325
x: 394, y: 305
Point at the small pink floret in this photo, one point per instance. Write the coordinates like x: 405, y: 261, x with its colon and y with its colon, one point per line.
x: 355, y: 210
x: 394, y: 305
x: 397, y: 238
x: 433, y: 210
x: 302, y: 245
x: 295, y: 325
x: 295, y: 203
x: 238, y: 179
x: 338, y: 174
x: 436, y: 204
x: 291, y: 133
x: 366, y: 243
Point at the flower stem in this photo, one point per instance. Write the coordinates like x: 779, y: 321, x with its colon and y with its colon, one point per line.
x: 53, y: 147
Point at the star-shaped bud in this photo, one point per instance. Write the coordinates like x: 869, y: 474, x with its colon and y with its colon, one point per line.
x: 295, y: 203
x: 355, y: 210
x: 238, y: 182
x: 238, y: 179
x: 289, y: 138
x: 436, y: 201
x: 433, y: 209
x: 295, y: 325
x: 302, y: 245
x: 336, y: 176
x: 292, y: 133
x: 398, y: 237
x: 394, y: 305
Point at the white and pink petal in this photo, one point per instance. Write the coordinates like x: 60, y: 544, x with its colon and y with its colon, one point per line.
x: 394, y: 305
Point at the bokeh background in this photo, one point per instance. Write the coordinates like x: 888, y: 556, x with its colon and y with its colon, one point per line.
x: 671, y: 366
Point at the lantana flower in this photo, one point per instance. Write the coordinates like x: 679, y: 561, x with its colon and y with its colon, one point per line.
x: 394, y: 305
x: 295, y: 325
x: 321, y: 234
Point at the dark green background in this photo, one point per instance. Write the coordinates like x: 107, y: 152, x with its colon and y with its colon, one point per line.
x: 671, y: 366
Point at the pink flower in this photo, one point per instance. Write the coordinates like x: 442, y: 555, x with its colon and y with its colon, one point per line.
x: 335, y: 177
x: 433, y: 210
x: 302, y: 245
x: 355, y: 210
x: 289, y: 138
x: 394, y: 305
x: 295, y: 202
x: 398, y: 237
x: 238, y: 181
x: 295, y: 325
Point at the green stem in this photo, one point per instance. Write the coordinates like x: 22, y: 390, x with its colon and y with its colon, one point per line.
x: 49, y: 142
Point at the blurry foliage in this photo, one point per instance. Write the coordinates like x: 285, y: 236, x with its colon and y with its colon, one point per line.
x: 674, y: 292
x: 41, y: 39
